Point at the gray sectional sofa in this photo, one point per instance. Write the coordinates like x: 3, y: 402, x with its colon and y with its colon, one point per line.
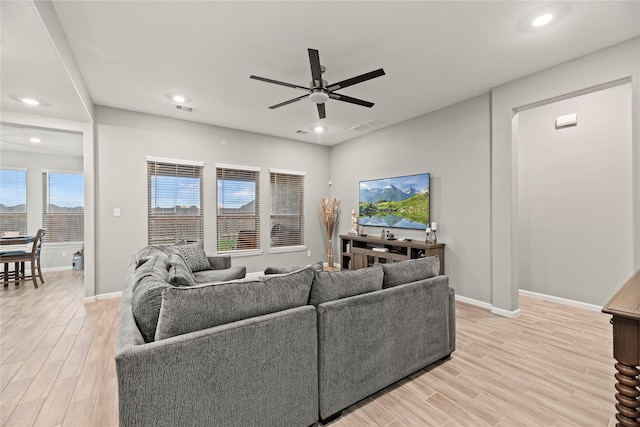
x: 281, y: 349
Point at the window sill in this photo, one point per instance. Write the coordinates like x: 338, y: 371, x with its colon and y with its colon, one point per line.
x: 284, y: 249
x: 241, y: 253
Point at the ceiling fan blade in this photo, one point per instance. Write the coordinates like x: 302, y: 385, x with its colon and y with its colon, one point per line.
x: 358, y: 79
x: 316, y: 69
x: 289, y: 101
x: 263, y: 79
x: 321, y: 111
x: 351, y: 100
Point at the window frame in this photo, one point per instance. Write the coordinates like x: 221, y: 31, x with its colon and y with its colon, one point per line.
x: 274, y: 217
x: 242, y: 173
x: 157, y: 224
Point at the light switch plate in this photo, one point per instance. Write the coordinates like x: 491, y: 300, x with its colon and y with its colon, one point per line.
x: 116, y: 211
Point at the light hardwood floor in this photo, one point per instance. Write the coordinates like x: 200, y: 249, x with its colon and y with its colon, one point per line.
x: 552, y: 366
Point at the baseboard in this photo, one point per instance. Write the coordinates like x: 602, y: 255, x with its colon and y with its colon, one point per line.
x: 488, y: 306
x: 103, y: 296
x: 559, y: 300
x: 44, y: 270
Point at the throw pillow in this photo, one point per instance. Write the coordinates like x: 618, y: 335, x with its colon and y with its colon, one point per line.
x: 318, y: 266
x: 179, y: 272
x: 411, y: 270
x: 333, y: 285
x: 194, y: 255
x: 155, y: 266
x: 204, y: 306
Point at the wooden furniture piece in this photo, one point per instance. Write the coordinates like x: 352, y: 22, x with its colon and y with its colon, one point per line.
x: 363, y: 251
x: 18, y: 258
x: 625, y: 309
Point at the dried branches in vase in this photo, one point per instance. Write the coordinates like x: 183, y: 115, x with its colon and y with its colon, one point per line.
x: 329, y: 211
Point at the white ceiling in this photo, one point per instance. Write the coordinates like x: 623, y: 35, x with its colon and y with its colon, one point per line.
x: 135, y: 55
x: 19, y: 138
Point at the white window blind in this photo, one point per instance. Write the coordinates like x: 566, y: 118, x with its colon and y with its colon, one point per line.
x: 13, y: 200
x: 63, y: 206
x: 238, y: 216
x: 287, y: 209
x: 174, y: 202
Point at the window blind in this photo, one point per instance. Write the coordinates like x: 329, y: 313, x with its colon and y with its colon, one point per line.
x: 238, y: 216
x: 63, y: 206
x: 287, y: 209
x: 174, y: 193
x: 13, y: 200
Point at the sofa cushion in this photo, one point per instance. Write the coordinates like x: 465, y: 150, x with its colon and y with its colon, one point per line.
x: 194, y: 255
x: 204, y: 306
x: 318, y: 266
x: 411, y: 270
x: 151, y: 265
x: 179, y: 273
x: 212, y: 276
x: 148, y: 252
x: 333, y: 285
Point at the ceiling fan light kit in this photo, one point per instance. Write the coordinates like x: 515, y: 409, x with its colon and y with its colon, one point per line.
x: 319, y: 92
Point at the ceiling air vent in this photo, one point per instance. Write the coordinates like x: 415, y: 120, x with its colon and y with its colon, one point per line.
x: 360, y: 128
x: 185, y: 108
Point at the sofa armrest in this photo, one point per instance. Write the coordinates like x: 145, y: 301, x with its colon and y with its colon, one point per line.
x: 219, y: 262
x: 260, y: 371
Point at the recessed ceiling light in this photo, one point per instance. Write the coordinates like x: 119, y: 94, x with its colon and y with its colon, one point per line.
x: 35, y: 139
x: 542, y: 20
x: 179, y: 98
x: 319, y: 129
x: 30, y: 101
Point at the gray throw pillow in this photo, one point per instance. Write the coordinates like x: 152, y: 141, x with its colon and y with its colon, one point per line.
x: 333, y: 285
x: 204, y: 306
x: 148, y: 252
x: 318, y: 266
x: 156, y: 266
x: 399, y: 273
x: 194, y: 255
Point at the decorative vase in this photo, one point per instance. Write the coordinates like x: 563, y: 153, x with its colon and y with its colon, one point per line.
x: 330, y: 255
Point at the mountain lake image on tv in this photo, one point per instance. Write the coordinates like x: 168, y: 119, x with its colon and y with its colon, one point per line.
x: 401, y: 202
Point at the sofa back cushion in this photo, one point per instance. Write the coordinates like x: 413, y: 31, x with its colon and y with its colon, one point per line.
x: 148, y: 282
x: 333, y: 285
x: 399, y: 273
x: 318, y: 266
x: 179, y: 273
x: 204, y: 306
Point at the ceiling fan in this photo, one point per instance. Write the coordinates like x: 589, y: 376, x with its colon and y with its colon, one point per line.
x: 319, y: 91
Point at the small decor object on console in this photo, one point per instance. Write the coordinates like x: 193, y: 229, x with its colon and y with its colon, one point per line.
x: 431, y: 233
x: 329, y: 211
x: 354, y: 223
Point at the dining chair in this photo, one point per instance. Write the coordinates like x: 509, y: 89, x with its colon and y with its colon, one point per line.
x: 18, y: 258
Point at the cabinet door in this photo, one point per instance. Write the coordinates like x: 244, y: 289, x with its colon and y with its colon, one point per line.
x: 359, y: 259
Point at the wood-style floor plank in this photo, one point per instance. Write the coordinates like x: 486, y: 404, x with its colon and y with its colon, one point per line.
x: 552, y: 366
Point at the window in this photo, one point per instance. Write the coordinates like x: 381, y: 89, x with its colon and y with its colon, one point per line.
x: 287, y: 208
x: 238, y: 218
x: 63, y: 206
x: 174, y: 189
x: 13, y: 200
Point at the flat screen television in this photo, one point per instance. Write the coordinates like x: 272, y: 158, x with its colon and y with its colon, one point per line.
x: 400, y: 202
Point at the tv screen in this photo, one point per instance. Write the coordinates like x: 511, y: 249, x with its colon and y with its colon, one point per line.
x: 401, y: 202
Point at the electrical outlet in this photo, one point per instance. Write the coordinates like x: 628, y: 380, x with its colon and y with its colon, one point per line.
x: 309, y: 252
x: 64, y: 254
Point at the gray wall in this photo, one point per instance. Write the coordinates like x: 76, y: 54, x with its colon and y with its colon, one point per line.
x: 585, y: 74
x: 54, y: 255
x: 451, y: 144
x: 125, y: 138
x: 575, y: 197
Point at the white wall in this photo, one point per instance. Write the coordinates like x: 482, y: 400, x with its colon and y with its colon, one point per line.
x: 575, y: 197
x: 54, y: 255
x: 617, y: 63
x: 451, y: 144
x: 125, y: 138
